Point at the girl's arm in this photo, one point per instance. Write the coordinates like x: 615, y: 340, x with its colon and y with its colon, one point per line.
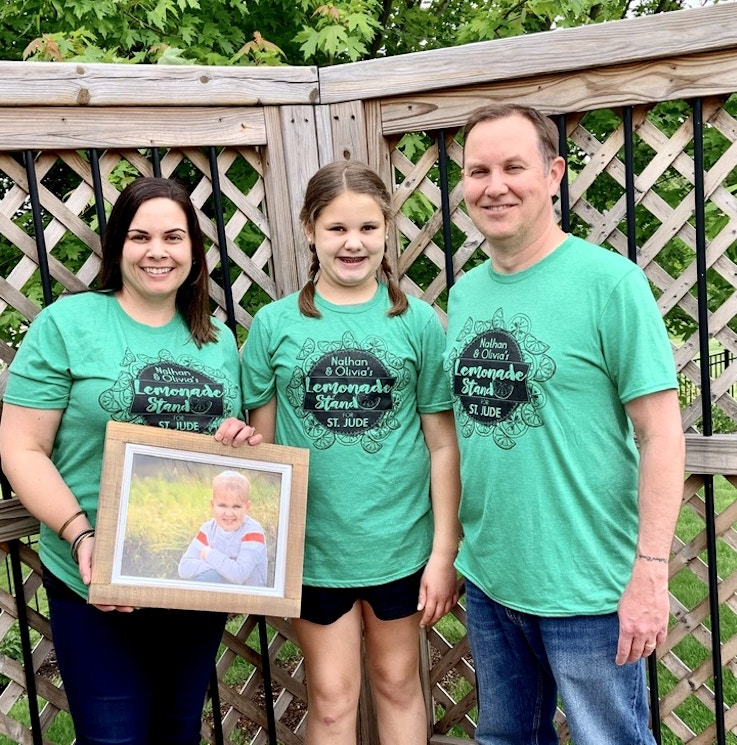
x: 439, y: 588
x: 263, y: 420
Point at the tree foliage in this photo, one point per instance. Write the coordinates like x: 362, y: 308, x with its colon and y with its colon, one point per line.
x: 237, y: 32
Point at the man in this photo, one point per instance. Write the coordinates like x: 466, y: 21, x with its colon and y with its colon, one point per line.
x: 557, y: 353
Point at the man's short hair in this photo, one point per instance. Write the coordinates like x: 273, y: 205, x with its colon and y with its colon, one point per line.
x: 547, y: 132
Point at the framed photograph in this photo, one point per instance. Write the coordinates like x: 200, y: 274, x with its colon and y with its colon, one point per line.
x: 185, y: 522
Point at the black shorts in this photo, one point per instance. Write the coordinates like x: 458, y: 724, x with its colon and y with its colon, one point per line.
x: 391, y: 601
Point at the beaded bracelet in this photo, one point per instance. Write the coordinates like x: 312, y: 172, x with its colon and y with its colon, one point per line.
x: 77, y: 542
x: 69, y: 522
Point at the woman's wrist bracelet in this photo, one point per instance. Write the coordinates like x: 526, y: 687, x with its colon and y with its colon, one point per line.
x: 77, y: 542
x: 68, y: 522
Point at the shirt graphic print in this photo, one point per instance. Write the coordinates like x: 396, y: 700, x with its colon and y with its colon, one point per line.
x: 168, y: 392
x: 497, y: 372
x: 346, y: 390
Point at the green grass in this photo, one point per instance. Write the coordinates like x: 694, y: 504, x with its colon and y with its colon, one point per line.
x: 690, y: 591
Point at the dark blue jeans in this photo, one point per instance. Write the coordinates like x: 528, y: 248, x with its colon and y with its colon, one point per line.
x: 135, y: 678
x: 524, y: 662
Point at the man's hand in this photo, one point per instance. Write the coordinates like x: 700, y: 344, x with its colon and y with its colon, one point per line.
x: 643, y: 610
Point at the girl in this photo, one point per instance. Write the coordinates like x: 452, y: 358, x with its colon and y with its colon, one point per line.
x: 351, y: 368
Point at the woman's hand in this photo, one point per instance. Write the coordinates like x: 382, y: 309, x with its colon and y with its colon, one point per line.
x: 84, y: 555
x: 235, y: 432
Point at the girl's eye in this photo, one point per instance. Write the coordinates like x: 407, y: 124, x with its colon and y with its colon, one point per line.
x: 137, y: 238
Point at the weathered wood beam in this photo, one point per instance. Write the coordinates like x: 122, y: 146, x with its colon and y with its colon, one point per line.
x: 563, y: 50
x: 15, y: 520
x: 63, y: 128
x: 711, y: 455
x: 706, y: 74
x: 90, y: 85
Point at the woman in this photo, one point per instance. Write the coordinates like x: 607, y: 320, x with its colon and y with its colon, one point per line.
x: 143, y: 350
x: 351, y: 368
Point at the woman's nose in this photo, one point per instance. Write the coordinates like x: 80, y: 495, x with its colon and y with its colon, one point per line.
x: 157, y: 249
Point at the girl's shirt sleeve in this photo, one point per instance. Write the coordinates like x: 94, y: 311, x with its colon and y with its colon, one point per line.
x: 433, y: 387
x: 258, y: 377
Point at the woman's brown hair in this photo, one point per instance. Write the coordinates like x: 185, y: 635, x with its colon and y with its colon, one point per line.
x: 325, y: 185
x: 193, y: 298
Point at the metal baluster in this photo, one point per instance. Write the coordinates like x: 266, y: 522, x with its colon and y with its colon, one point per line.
x: 703, y: 314
x: 445, y: 208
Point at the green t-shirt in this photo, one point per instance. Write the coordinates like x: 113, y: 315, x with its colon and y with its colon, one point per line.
x: 541, y: 363
x: 351, y: 386
x: 84, y: 355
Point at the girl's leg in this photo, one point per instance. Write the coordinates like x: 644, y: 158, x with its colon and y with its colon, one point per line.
x: 393, y: 665
x: 332, y: 655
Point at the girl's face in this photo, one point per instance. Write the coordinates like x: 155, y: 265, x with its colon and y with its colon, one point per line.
x: 157, y: 255
x: 349, y: 236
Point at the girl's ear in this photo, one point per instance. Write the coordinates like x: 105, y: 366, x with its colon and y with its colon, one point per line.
x: 309, y: 232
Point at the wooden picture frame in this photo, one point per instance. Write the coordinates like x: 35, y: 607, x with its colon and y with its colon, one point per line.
x: 156, y: 505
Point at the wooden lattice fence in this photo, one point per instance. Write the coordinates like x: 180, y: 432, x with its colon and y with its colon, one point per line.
x: 647, y: 113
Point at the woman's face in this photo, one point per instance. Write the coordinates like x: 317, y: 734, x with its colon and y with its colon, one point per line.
x: 157, y: 255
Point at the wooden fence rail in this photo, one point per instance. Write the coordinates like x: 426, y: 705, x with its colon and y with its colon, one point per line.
x: 658, y: 85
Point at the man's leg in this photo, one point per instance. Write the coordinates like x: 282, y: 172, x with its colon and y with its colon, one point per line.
x: 515, y: 688
x: 605, y: 704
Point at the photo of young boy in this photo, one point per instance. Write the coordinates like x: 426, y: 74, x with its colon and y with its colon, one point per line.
x: 230, y: 547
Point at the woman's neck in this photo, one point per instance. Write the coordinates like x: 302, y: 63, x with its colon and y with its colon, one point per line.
x: 149, y: 314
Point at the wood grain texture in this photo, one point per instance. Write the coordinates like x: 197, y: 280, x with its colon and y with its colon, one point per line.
x: 563, y: 50
x: 90, y: 85
x: 76, y: 128
x: 636, y: 83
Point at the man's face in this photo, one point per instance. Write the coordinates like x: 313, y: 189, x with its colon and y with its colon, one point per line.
x: 507, y: 185
x: 229, y: 507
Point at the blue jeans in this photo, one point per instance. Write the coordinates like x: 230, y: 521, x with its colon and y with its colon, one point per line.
x: 135, y: 678
x: 523, y: 662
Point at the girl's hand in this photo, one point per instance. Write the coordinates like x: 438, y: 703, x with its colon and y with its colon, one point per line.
x: 438, y: 590
x: 235, y: 432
